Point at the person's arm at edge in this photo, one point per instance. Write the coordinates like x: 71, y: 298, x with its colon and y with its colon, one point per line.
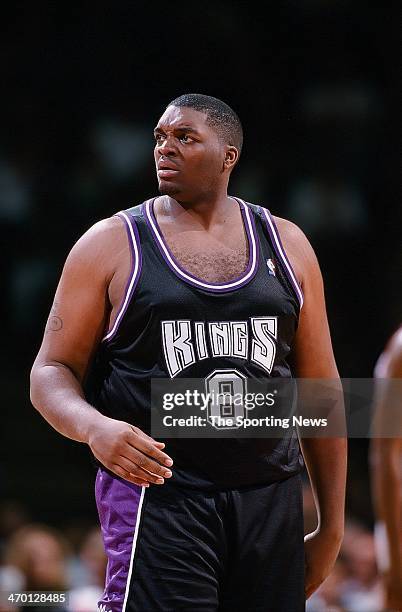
x: 385, y: 455
x: 325, y: 458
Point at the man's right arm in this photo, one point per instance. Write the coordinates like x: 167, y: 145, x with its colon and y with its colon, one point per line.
x: 73, y: 331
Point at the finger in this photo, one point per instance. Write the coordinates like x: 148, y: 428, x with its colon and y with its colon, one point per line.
x: 142, y: 444
x: 122, y: 473
x: 151, y: 478
x: 148, y: 465
x: 142, y: 434
x: 138, y: 482
x: 138, y: 472
x: 137, y: 458
x: 150, y: 447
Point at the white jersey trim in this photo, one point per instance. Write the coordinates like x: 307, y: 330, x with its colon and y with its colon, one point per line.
x: 183, y: 274
x: 280, y: 250
x: 136, y: 254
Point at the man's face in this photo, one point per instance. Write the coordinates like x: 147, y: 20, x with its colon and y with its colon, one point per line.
x: 189, y: 155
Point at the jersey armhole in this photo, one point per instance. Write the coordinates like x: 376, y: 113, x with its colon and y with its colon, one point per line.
x: 136, y: 265
x: 281, y: 254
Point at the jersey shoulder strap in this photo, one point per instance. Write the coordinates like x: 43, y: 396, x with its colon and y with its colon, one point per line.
x: 272, y: 233
x: 254, y: 207
x: 135, y: 211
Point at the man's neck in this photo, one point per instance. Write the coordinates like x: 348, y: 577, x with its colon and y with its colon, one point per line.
x: 205, y: 212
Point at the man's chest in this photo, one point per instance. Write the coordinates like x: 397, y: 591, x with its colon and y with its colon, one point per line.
x: 213, y: 259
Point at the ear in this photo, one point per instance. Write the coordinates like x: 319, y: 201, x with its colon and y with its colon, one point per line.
x: 231, y: 157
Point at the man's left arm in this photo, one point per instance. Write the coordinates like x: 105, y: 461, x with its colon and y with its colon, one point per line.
x: 325, y: 457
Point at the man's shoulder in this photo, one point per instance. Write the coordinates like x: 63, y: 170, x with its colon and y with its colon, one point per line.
x: 103, y: 233
x: 287, y: 230
x: 104, y: 227
x: 99, y: 247
x: 296, y: 244
x: 298, y: 249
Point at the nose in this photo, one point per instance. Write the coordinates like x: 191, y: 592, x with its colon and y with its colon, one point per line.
x: 166, y: 147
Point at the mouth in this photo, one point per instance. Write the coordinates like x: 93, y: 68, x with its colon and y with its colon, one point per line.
x: 166, y: 173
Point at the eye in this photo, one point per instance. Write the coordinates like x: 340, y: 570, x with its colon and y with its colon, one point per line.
x: 158, y: 138
x: 185, y: 138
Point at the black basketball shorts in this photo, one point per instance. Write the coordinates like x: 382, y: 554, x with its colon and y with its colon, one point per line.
x: 173, y: 548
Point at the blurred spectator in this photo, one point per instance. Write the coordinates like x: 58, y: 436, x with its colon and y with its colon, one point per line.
x: 93, y: 557
x: 93, y: 565
x: 354, y: 584
x: 361, y: 590
x: 39, y: 554
x: 328, y: 596
x: 12, y: 580
x: 12, y: 516
x: 36, y: 559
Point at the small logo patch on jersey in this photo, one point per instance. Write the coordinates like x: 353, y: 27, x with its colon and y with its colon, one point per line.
x: 271, y: 267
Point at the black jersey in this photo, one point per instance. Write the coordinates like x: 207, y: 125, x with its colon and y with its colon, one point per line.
x: 172, y: 324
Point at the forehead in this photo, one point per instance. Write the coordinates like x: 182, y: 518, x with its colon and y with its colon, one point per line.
x: 175, y: 116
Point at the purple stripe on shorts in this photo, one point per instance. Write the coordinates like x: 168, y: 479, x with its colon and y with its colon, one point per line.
x: 119, y: 506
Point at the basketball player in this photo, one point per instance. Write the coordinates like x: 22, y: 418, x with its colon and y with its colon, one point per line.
x: 191, y: 284
x: 386, y: 462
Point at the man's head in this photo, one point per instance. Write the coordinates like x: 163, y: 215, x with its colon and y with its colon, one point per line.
x: 219, y: 116
x: 198, y: 143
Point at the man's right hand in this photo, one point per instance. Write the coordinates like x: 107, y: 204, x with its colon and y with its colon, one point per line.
x: 128, y: 452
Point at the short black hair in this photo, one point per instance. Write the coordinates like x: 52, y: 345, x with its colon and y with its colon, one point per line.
x: 219, y: 116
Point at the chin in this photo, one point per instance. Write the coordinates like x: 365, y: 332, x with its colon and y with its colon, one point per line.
x: 168, y: 189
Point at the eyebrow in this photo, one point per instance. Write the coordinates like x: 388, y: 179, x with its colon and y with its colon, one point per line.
x: 179, y: 128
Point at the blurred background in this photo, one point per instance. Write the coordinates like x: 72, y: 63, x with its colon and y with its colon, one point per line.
x: 314, y: 83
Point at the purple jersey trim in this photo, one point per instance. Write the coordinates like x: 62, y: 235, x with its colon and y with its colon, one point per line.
x: 119, y: 506
x: 136, y: 266
x: 281, y: 254
x: 175, y: 266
